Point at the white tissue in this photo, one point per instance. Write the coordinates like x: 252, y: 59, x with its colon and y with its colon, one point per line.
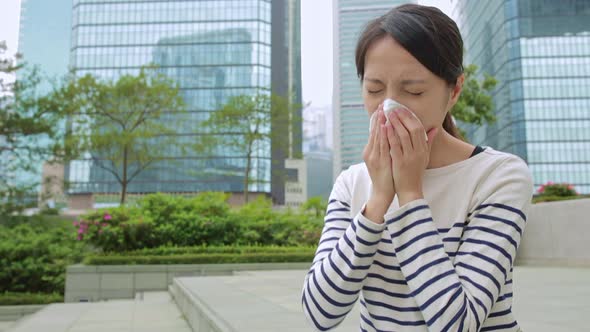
x: 388, y: 106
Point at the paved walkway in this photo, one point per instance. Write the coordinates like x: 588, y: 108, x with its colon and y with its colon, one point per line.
x: 546, y: 300
x: 156, y: 312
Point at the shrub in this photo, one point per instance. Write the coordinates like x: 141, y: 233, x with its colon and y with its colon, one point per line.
x: 557, y: 189
x: 205, y: 219
x: 26, y: 298
x: 295, y: 257
x: 34, y: 259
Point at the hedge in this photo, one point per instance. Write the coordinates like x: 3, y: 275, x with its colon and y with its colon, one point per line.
x: 295, y: 257
x: 11, y: 298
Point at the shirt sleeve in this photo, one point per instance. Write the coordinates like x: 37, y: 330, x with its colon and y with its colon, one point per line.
x: 458, y: 294
x: 345, y: 252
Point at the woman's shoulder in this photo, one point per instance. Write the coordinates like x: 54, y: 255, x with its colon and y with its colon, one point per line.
x: 503, y: 170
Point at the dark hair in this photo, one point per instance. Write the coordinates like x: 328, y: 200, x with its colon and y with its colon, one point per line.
x: 428, y: 34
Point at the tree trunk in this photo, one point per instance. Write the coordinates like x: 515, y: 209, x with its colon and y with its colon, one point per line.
x: 124, y: 179
x: 247, y: 175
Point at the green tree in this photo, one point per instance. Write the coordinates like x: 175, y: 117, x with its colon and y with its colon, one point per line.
x: 124, y: 126
x: 315, y: 204
x: 30, y: 132
x: 475, y: 105
x: 243, y: 127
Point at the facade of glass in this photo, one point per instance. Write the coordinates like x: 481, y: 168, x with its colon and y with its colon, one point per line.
x: 44, y: 43
x: 539, y: 51
x: 351, y: 121
x: 213, y: 49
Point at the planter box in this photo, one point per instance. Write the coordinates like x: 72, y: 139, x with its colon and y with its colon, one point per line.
x: 557, y: 233
x: 106, y: 282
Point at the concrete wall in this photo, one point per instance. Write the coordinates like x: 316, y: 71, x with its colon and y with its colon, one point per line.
x: 557, y: 233
x: 105, y: 282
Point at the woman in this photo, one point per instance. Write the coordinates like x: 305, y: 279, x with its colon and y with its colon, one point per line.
x: 425, y: 231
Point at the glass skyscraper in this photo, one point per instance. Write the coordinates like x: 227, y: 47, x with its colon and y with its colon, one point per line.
x: 214, y: 49
x: 351, y: 121
x: 539, y: 51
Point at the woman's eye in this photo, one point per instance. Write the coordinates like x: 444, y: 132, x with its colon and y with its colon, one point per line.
x: 415, y: 93
x: 374, y: 91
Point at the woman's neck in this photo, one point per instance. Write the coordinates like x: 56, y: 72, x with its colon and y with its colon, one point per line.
x: 447, y: 150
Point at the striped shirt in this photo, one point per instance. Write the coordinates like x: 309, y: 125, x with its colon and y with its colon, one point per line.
x: 442, y: 263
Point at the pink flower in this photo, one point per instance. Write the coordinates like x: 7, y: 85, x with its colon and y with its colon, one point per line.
x: 104, y: 224
x: 79, y: 238
x: 107, y: 217
x: 80, y: 231
x: 100, y: 231
x: 75, y: 223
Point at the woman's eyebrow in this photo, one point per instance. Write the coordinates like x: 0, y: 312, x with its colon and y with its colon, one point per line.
x: 374, y: 80
x: 411, y: 82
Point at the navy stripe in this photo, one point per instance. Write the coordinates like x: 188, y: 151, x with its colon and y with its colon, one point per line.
x: 487, y: 259
x: 504, y: 297
x: 457, y: 315
x: 333, y: 229
x: 463, y: 319
x: 451, y: 239
x: 319, y: 307
x: 324, y: 250
x: 502, y: 220
x: 491, y: 231
x: 385, y: 253
x: 388, y: 293
x: 480, y: 287
x: 477, y: 322
x: 425, y: 267
x: 356, y: 253
x: 499, y: 327
x: 392, y: 307
x: 417, y: 238
x: 333, y: 285
x: 438, y: 295
x: 446, y: 306
x: 367, y: 320
x: 500, y: 313
x: 399, y: 322
x: 329, y: 239
x: 481, y: 272
x: 337, y: 219
x: 502, y: 206
x: 412, y: 225
x: 388, y: 280
x: 360, y: 240
x: 432, y: 281
x: 388, y: 267
x: 368, y: 229
x: 406, y: 213
x: 508, y: 282
x: 315, y: 322
x: 337, y: 210
x: 420, y: 253
x: 337, y: 201
x: 491, y: 245
x: 348, y: 262
x: 328, y: 298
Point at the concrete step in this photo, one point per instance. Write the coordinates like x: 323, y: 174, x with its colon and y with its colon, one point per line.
x: 261, y: 301
x: 149, y: 312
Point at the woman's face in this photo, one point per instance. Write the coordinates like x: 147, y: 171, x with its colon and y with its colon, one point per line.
x: 392, y: 72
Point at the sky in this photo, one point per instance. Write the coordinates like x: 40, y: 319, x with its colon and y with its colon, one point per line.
x: 316, y: 43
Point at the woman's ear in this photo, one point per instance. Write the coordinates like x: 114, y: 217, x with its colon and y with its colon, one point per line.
x: 456, y: 91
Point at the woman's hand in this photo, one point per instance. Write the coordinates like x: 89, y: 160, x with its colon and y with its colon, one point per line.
x: 410, y: 153
x: 378, y: 160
